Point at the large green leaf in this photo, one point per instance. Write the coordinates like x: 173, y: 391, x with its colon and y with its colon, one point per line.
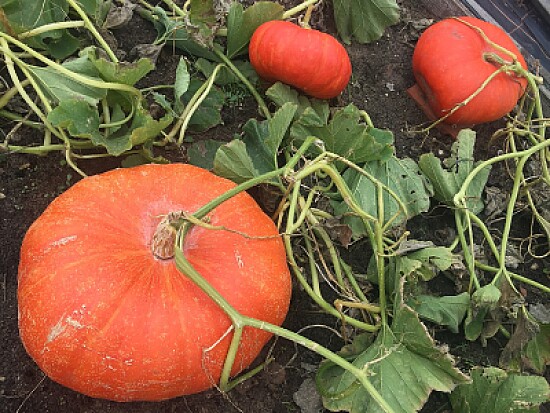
x: 404, y: 365
x: 241, y: 24
x: 23, y: 15
x: 399, y: 175
x: 345, y: 134
x: 58, y: 87
x: 448, y: 181
x: 364, y: 20
x: 494, y: 391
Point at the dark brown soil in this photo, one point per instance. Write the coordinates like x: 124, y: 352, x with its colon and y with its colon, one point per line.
x: 382, y: 74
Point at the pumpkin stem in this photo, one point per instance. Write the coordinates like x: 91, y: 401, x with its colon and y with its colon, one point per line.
x: 164, y: 239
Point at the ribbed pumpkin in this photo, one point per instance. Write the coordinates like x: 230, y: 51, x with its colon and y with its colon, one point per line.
x: 451, y: 61
x: 101, y: 313
x: 312, y: 61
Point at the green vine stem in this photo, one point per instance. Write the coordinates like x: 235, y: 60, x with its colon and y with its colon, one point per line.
x: 99, y: 84
x: 90, y: 26
x: 298, y: 9
x: 245, y: 81
x: 240, y: 321
x: 51, y: 27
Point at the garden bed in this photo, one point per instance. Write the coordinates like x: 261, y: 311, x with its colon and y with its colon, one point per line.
x: 381, y: 76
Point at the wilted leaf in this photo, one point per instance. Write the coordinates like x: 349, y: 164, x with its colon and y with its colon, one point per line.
x: 78, y: 117
x: 121, y: 72
x: 119, y: 15
x: 202, y: 21
x: 447, y: 182
x: 242, y: 24
x: 364, y: 20
x: 446, y: 311
x: 404, y: 365
x: 494, y: 391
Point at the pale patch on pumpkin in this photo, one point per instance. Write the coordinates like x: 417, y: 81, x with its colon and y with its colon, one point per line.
x: 63, y: 241
x: 56, y: 331
x: 239, y: 259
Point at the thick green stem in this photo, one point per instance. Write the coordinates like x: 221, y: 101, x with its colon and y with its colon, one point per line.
x: 298, y: 9
x: 51, y: 27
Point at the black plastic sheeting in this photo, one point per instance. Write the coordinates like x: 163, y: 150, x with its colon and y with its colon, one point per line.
x: 527, y: 21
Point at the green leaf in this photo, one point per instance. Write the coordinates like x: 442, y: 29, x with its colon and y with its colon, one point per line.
x: 58, y: 87
x: 233, y: 162
x: 78, y: 117
x: 175, y: 34
x: 20, y: 16
x: 261, y: 143
x: 208, y: 113
x: 202, y: 153
x: 447, y: 182
x: 318, y: 110
x: 433, y: 259
x: 446, y: 311
x: 181, y: 84
x: 403, y: 363
x: 399, y: 175
x: 537, y: 351
x: 364, y: 20
x: 121, y: 72
x: 494, y: 391
x: 82, y: 121
x: 242, y: 24
x: 345, y: 134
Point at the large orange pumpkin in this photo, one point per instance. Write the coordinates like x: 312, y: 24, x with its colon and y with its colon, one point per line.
x: 100, y: 313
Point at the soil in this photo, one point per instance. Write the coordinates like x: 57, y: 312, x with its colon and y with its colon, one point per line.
x: 382, y: 73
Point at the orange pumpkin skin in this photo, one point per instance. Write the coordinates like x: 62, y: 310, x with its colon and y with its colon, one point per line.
x: 99, y: 313
x: 449, y: 65
x: 310, y: 60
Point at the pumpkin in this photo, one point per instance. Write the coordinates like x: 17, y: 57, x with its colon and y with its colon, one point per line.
x: 103, y: 308
x: 311, y: 61
x: 451, y: 61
